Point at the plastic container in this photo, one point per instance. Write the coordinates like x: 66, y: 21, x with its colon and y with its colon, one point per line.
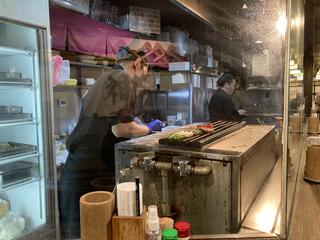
x: 183, y: 229
x: 166, y: 223
x: 170, y: 234
x: 56, y: 67
x: 71, y: 82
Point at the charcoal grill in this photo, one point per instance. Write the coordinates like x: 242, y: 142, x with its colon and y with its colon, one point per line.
x: 221, y: 129
x: 217, y: 203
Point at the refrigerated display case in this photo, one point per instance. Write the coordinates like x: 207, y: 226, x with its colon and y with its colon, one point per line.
x: 26, y: 173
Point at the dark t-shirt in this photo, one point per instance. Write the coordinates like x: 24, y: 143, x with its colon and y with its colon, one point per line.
x: 221, y: 107
x: 91, y: 145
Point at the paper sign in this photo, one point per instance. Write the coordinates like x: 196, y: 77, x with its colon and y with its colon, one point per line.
x: 144, y: 20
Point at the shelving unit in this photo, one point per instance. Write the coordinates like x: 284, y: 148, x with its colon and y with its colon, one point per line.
x: 72, y: 95
x: 22, y: 150
x: 264, y: 88
x: 73, y: 87
x: 81, y: 64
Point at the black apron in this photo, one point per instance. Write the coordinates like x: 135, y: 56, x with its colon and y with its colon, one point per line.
x: 91, y: 155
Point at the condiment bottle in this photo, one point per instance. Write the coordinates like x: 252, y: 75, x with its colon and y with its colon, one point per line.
x: 166, y: 223
x: 153, y: 231
x: 183, y: 229
x: 169, y: 234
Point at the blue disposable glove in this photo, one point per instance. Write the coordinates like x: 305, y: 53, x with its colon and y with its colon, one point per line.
x: 155, y: 125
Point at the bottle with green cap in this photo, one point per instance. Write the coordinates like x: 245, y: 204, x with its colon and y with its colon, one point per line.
x: 169, y: 234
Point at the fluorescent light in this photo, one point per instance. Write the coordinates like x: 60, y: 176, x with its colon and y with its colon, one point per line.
x: 259, y: 41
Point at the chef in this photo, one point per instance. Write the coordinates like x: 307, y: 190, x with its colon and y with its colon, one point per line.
x: 106, y: 118
x: 221, y: 106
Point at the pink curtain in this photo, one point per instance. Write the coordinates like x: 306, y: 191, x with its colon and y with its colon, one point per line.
x: 58, y: 27
x: 78, y: 33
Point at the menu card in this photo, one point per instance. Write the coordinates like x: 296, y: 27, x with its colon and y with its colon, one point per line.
x: 144, y: 20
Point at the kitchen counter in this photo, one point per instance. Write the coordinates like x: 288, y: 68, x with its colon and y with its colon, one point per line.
x: 215, y: 201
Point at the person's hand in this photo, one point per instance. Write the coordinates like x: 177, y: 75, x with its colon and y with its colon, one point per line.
x: 155, y: 125
x: 242, y: 112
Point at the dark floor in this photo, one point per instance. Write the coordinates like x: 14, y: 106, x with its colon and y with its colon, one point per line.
x: 305, y: 219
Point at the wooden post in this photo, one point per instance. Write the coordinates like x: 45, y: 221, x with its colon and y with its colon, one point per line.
x: 308, y: 60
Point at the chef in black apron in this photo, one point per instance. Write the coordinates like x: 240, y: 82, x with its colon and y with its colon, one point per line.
x: 221, y: 106
x: 106, y: 118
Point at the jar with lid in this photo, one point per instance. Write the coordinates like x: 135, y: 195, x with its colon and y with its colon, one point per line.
x: 183, y: 229
x: 169, y: 234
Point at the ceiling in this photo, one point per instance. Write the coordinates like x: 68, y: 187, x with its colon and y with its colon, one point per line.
x: 229, y: 28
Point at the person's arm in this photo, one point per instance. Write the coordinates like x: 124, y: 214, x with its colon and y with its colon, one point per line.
x: 129, y: 130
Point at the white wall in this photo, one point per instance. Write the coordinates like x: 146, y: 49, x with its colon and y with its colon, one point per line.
x: 35, y: 12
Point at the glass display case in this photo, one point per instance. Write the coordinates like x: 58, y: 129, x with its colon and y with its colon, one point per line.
x: 25, y: 130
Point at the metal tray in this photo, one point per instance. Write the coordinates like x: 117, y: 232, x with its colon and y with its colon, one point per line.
x: 16, y: 81
x: 15, y: 172
x: 12, y: 148
x: 10, y: 75
x: 221, y: 129
x: 10, y: 109
x: 15, y: 116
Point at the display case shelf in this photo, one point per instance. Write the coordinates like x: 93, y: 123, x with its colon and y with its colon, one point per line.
x: 19, y: 184
x: 17, y: 157
x: 16, y: 82
x: 17, y: 122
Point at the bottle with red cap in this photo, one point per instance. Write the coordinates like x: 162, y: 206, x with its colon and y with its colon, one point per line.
x: 183, y: 229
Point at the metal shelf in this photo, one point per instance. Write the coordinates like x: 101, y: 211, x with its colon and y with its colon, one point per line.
x: 5, y: 51
x: 264, y: 88
x: 17, y: 157
x: 87, y: 87
x: 265, y: 114
x: 80, y: 64
x: 20, y: 183
x: 17, y: 122
x: 16, y: 84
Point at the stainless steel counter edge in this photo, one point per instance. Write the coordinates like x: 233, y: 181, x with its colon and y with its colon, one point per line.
x: 264, y: 236
x: 150, y: 143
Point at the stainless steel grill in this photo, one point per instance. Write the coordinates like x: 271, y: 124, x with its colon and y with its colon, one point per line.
x: 221, y: 128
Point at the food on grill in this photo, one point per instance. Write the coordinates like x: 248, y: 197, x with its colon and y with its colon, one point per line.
x: 196, y: 136
x: 185, y: 134
x: 180, y: 135
x: 206, y: 128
